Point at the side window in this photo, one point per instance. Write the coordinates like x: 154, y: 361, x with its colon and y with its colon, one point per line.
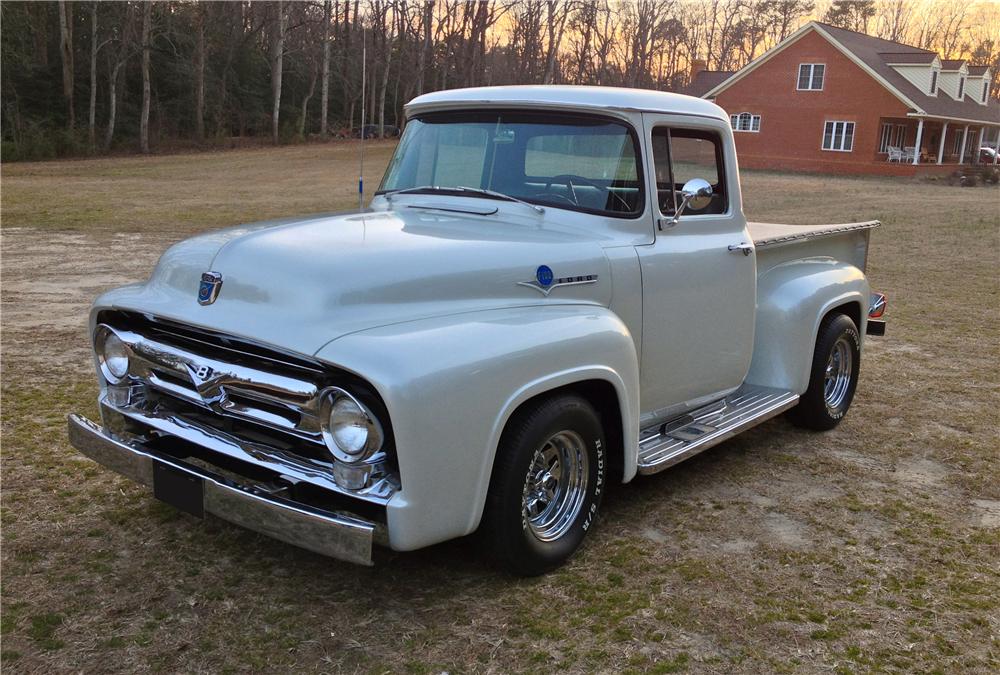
x: 691, y: 154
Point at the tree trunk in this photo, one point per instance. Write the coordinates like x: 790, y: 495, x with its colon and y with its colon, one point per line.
x: 112, y: 102
x: 66, y: 49
x: 305, y: 103
x: 385, y: 85
x: 277, y: 61
x: 147, y: 18
x: 92, y: 118
x: 199, y: 73
x: 426, y: 50
x: 325, y: 89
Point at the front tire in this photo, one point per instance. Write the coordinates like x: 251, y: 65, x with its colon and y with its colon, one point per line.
x: 547, y: 484
x: 834, y: 375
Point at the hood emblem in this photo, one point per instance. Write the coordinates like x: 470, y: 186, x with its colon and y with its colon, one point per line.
x: 208, y: 290
x: 545, y: 281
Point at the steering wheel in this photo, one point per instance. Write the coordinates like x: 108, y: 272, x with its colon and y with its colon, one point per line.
x: 568, y: 179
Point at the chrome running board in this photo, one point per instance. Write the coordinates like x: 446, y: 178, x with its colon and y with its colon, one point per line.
x: 666, y: 444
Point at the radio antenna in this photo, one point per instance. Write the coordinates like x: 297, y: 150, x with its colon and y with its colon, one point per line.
x: 361, y: 166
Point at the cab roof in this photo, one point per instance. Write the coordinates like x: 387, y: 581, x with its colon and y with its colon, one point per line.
x: 566, y: 96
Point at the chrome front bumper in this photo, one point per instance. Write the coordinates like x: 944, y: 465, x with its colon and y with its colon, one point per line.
x: 333, y: 534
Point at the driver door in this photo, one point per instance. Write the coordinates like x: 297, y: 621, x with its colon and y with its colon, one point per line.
x: 699, y: 297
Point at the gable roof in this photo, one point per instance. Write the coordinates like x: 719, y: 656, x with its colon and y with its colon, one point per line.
x: 870, y: 54
x: 978, y: 71
x: 952, y: 64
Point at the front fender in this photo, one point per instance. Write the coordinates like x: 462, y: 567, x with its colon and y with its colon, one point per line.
x: 451, y: 383
x: 792, y: 299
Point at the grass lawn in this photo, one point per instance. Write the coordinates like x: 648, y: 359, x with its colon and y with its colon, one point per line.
x: 869, y: 548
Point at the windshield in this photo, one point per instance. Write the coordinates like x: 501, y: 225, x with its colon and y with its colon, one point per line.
x: 582, y: 163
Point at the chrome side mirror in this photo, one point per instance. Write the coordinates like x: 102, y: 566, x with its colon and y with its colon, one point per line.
x: 696, y: 193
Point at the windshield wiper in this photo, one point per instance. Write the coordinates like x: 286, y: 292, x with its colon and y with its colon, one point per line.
x: 500, y: 195
x: 460, y: 188
x: 420, y: 188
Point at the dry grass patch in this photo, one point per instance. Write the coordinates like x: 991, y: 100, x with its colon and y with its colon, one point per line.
x: 870, y: 548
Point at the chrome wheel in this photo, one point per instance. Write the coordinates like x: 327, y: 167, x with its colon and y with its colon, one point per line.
x: 837, y: 378
x: 556, y: 486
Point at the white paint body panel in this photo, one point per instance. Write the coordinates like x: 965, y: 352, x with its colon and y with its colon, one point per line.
x: 426, y: 306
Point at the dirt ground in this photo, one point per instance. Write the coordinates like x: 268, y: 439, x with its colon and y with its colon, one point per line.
x: 870, y: 548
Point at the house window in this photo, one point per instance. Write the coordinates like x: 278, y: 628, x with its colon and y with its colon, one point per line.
x: 961, y: 87
x: 838, y: 136
x: 933, y: 82
x: 745, y: 122
x: 811, y: 76
x: 986, y: 89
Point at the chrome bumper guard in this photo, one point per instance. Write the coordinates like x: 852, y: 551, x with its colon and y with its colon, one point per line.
x: 335, y: 535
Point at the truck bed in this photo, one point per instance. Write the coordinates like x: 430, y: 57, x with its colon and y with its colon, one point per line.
x: 775, y: 234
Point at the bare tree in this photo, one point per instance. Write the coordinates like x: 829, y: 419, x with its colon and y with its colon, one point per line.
x: 557, y: 15
x: 66, y: 50
x: 147, y: 19
x: 94, y: 48
x: 277, y: 63
x: 892, y: 19
x: 325, y: 88
x: 124, y: 39
x: 199, y: 72
x: 425, y: 51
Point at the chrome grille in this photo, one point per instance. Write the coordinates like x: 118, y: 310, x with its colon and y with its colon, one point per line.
x: 274, y: 400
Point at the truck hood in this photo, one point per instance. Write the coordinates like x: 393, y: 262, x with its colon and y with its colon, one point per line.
x: 300, y: 284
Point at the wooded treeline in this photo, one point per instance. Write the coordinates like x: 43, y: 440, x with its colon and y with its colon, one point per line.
x: 88, y: 77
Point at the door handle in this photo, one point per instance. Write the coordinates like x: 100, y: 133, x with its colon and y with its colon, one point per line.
x: 744, y: 248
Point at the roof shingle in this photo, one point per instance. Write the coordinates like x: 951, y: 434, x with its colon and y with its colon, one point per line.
x: 871, y: 50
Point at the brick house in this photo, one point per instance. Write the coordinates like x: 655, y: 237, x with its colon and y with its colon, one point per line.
x: 831, y: 100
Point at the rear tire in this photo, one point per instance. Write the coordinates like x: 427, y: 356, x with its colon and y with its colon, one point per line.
x: 834, y: 375
x: 547, y: 484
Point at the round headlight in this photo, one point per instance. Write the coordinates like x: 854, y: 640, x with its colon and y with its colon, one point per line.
x: 112, y: 354
x: 351, y: 432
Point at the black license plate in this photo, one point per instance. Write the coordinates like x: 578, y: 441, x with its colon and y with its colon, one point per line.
x: 179, y: 489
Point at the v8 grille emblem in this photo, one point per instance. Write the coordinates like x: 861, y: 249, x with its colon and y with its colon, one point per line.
x: 208, y: 290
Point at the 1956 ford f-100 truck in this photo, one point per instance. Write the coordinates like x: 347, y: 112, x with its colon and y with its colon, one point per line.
x: 553, y: 288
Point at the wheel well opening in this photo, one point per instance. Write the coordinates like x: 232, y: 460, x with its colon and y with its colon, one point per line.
x: 602, y: 395
x: 851, y: 310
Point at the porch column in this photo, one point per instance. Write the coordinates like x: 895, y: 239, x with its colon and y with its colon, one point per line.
x: 982, y: 130
x: 965, y: 135
x: 916, y: 147
x: 996, y: 155
x: 944, y: 132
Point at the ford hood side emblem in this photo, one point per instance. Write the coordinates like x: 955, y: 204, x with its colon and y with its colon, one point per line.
x: 545, y: 281
x: 208, y: 290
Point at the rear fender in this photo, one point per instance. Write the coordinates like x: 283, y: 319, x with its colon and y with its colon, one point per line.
x: 450, y: 385
x: 792, y: 299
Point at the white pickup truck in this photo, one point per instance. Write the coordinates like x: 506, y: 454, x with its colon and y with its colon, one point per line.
x: 553, y: 288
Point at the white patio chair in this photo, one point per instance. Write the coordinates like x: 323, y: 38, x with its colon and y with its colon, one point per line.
x: 895, y: 154
x: 909, y: 153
